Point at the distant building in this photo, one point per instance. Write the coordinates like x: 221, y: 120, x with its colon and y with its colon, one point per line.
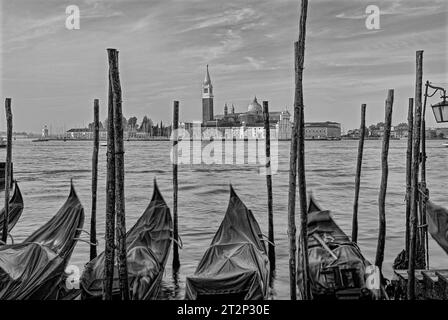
x: 322, y: 130
x: 45, y: 132
x: 85, y: 134
x: 241, y: 125
x: 442, y: 133
x: 207, y: 99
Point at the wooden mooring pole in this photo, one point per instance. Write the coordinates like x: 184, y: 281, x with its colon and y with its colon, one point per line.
x: 267, y: 139
x: 292, y: 196
x: 110, y: 202
x: 176, y: 261
x: 409, y: 173
x: 119, y: 175
x: 7, y: 167
x: 424, y: 248
x: 303, y: 235
x: 383, y: 186
x: 96, y: 145
x: 415, y: 168
x: 362, y: 132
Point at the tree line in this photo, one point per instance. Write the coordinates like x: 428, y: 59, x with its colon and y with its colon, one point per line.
x: 132, y: 126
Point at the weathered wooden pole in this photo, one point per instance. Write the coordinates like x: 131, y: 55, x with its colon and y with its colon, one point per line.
x: 96, y: 145
x: 384, y: 176
x: 292, y: 194
x: 110, y: 202
x: 409, y: 172
x: 119, y: 175
x: 303, y: 235
x: 7, y: 167
x: 415, y: 168
x: 362, y: 132
x: 423, y: 225
x: 267, y: 130
x: 176, y: 261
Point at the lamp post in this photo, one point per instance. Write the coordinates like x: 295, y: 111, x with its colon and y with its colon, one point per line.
x: 440, y: 111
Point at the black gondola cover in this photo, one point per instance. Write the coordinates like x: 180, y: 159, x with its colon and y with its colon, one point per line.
x: 33, y: 269
x: 235, y: 265
x: 15, y: 210
x: 148, y: 245
x: 343, y: 277
x: 437, y: 218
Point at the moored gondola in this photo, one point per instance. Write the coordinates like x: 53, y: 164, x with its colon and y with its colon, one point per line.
x: 235, y: 266
x: 15, y: 210
x: 337, y: 268
x: 33, y: 269
x: 148, y: 245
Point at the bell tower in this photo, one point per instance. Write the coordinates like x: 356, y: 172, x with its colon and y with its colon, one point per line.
x: 207, y: 99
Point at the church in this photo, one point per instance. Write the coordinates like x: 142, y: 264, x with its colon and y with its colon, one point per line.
x: 252, y: 119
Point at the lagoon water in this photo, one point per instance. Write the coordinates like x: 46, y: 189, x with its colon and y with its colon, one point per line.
x: 44, y: 171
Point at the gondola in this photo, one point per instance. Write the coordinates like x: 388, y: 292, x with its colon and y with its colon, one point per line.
x: 15, y: 210
x: 337, y: 268
x: 235, y: 266
x: 34, y: 268
x: 437, y: 219
x: 148, y: 245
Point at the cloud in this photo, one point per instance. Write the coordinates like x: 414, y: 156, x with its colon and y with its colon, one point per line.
x: 257, y: 64
x: 231, y: 41
x: 233, y: 17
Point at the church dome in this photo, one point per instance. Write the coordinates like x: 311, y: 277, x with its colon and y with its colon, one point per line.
x: 254, y: 106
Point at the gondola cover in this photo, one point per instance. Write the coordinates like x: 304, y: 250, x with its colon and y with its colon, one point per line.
x: 33, y: 269
x: 336, y: 265
x: 235, y: 265
x: 437, y: 218
x: 15, y: 210
x: 148, y: 245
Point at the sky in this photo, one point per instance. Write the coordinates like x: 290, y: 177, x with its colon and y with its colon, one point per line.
x: 53, y: 74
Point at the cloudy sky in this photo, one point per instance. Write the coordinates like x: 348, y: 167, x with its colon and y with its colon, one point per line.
x: 53, y: 74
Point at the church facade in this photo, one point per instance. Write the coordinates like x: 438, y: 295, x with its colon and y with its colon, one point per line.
x: 241, y: 125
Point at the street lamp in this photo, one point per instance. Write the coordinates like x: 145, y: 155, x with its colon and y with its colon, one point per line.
x: 440, y: 109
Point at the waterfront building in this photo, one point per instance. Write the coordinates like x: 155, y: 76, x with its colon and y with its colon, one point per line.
x: 240, y: 125
x: 322, y: 130
x: 442, y: 133
x: 86, y: 134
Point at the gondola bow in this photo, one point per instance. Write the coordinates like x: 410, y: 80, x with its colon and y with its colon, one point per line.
x: 34, y: 269
x: 15, y: 210
x: 148, y: 245
x: 235, y: 266
x: 337, y: 268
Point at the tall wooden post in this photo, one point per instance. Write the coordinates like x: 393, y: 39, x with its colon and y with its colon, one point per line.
x: 409, y: 172
x: 267, y: 140
x: 7, y: 167
x: 176, y: 262
x: 415, y: 168
x: 362, y: 132
x: 96, y: 145
x: 383, y: 187
x: 292, y: 194
x: 119, y: 174
x: 110, y: 202
x: 424, y: 228
x: 303, y: 236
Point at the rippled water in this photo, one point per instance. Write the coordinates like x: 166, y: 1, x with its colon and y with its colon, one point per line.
x: 44, y: 171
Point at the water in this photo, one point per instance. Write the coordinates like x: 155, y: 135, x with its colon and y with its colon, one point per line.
x: 44, y: 171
